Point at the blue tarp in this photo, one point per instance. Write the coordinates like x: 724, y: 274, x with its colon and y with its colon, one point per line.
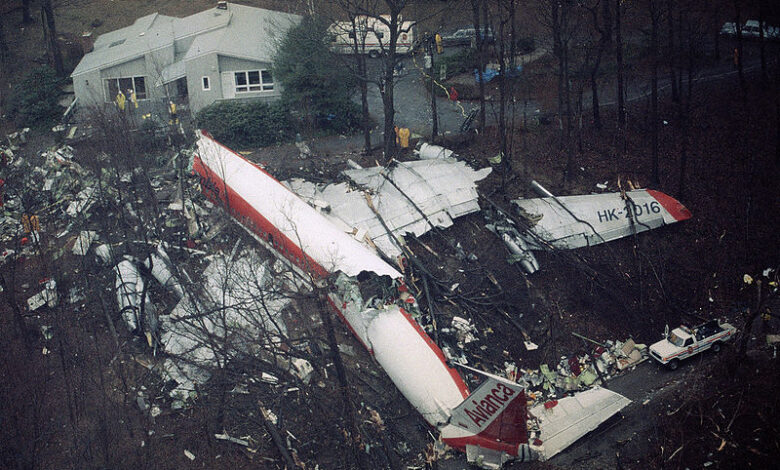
x: 490, y: 73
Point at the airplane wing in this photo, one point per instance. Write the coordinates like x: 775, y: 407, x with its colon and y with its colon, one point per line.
x: 576, y: 221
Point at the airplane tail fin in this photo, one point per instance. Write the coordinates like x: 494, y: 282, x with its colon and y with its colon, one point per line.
x: 494, y: 418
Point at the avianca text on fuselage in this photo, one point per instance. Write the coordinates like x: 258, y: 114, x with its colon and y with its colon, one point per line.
x: 494, y: 401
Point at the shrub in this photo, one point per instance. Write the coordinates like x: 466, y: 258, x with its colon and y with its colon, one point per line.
x: 34, y: 101
x: 247, y: 124
x: 465, y: 61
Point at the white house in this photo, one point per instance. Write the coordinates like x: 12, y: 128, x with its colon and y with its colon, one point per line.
x: 223, y: 53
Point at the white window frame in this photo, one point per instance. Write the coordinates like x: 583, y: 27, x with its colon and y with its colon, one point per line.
x: 261, y: 86
x: 205, y: 82
x: 132, y: 79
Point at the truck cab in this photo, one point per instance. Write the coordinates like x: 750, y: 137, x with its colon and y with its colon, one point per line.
x: 683, y: 342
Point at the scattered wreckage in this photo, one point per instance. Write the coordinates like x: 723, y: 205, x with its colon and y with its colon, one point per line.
x: 491, y: 423
x: 683, y: 342
x: 342, y: 234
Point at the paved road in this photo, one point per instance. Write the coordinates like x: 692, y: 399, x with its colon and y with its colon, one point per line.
x: 413, y: 102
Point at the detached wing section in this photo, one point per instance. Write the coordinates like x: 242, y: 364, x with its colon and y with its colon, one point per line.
x: 576, y: 221
x: 573, y: 417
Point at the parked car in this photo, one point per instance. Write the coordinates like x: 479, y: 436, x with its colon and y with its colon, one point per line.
x: 751, y: 30
x: 729, y: 29
x: 465, y: 36
x: 684, y: 342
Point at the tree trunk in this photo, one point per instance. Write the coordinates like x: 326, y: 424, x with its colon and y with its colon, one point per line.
x: 341, y: 375
x: 363, y: 83
x: 672, y: 52
x: 4, y: 51
x: 567, y: 98
x: 475, y: 4
x: 47, y: 12
x: 558, y: 52
x: 621, y: 107
x: 594, y: 94
x: 685, y: 111
x: 388, y: 82
x: 434, y: 111
x: 26, y: 16
x: 502, y: 128
x: 738, y: 58
x: 656, y: 179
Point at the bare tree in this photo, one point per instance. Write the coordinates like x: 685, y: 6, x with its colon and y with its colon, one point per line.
x: 480, y: 7
x: 357, y: 30
x: 655, y: 17
x: 560, y: 18
x: 621, y: 106
x: 26, y: 17
x: 388, y: 14
x: 50, y: 33
x: 4, y: 50
x: 601, y: 20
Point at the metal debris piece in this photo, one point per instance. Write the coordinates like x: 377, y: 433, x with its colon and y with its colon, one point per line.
x: 48, y: 296
x: 84, y: 241
x: 130, y: 296
x: 410, y: 197
x: 225, y: 437
x: 431, y: 152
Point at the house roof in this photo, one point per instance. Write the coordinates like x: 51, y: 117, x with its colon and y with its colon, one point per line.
x: 253, y: 34
x: 239, y: 31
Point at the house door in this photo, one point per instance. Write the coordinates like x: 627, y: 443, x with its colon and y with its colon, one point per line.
x: 181, y: 88
x: 228, y: 85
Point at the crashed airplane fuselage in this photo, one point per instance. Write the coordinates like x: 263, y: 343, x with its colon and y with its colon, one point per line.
x: 492, y: 419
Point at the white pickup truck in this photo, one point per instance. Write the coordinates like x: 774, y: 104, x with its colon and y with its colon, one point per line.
x: 684, y: 342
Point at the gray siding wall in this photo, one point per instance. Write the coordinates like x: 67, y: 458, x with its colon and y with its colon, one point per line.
x: 203, y: 66
x: 213, y: 66
x: 233, y: 64
x: 88, y: 87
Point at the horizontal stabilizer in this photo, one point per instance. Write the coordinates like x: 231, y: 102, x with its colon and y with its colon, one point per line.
x: 573, y: 417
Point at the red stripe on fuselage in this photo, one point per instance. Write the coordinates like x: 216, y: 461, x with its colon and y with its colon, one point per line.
x: 252, y: 219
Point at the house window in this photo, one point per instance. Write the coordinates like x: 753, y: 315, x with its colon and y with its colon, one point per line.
x: 206, y: 84
x: 253, y: 80
x: 136, y: 84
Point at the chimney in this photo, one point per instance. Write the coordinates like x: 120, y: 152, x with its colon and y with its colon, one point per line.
x: 221, y: 5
